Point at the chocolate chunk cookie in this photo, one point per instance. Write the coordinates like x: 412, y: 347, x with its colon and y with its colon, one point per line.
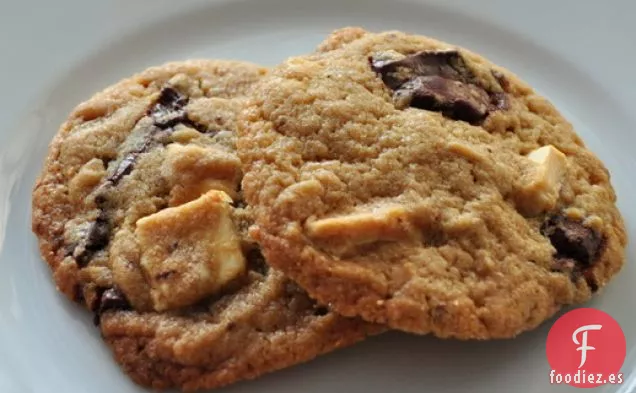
x: 416, y: 184
x: 140, y: 215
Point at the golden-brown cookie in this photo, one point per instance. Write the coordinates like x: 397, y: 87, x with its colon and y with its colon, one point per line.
x: 140, y: 215
x: 416, y: 184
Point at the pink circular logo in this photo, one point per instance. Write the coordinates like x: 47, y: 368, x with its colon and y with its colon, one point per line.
x: 586, y: 348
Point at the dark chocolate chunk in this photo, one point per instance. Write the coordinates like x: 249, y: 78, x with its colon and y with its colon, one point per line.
x: 573, y: 240
x: 96, y: 238
x: 113, y: 299
x: 127, y: 163
x: 577, y: 248
x: 452, y: 98
x: 256, y: 261
x: 124, y: 168
x: 171, y: 99
x: 109, y: 299
x: 99, y: 234
x: 320, y: 310
x: 169, y: 110
x: 445, y: 64
x: 439, y: 81
x: 83, y: 257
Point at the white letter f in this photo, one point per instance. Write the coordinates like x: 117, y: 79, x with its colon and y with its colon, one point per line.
x: 584, y: 347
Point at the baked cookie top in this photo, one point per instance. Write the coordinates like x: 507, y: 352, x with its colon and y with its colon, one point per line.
x: 140, y: 215
x: 414, y: 183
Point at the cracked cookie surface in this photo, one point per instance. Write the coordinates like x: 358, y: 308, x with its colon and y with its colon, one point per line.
x: 140, y: 215
x: 416, y: 184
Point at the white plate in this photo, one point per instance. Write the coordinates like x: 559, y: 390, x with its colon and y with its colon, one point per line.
x: 57, y: 53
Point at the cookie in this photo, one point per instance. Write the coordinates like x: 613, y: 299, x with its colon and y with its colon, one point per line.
x: 414, y: 183
x: 140, y: 215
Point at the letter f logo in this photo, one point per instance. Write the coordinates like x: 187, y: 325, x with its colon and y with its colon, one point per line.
x: 583, y: 344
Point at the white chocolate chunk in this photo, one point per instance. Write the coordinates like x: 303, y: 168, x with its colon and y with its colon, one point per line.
x: 388, y: 223
x: 466, y: 151
x: 547, y: 155
x: 193, y: 170
x: 552, y: 165
x: 190, y: 251
x: 541, y: 192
